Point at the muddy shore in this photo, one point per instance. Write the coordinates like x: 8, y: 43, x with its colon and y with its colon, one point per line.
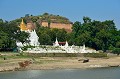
x: 59, y: 63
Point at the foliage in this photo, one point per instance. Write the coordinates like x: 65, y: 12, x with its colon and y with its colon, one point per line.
x: 100, y: 35
x: 46, y: 17
x: 9, y: 34
x: 47, y: 36
x: 95, y: 34
x: 76, y: 28
x: 3, y: 39
x: 26, y: 47
x: 53, y: 54
x: 54, y: 18
x: 22, y: 37
x: 116, y: 51
x: 95, y: 55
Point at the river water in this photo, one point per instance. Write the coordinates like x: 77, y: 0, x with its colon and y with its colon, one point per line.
x: 97, y: 73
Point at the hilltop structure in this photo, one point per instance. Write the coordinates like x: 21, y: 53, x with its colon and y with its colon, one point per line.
x: 55, y: 21
x: 67, y: 27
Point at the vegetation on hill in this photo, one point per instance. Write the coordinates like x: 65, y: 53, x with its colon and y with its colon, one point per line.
x: 46, y: 17
x: 54, y: 18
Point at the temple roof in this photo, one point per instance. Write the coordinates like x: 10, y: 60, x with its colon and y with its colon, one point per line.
x: 23, y: 26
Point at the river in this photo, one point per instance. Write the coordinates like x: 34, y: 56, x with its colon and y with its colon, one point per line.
x: 96, y: 73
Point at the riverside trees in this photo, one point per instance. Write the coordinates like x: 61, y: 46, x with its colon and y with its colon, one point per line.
x: 96, y: 34
x: 9, y: 34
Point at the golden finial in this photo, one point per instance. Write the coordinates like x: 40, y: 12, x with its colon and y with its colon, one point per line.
x: 22, y: 21
x: 23, y: 26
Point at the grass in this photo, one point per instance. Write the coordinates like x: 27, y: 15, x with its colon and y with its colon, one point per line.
x: 95, y: 55
x: 16, y: 57
x: 38, y: 61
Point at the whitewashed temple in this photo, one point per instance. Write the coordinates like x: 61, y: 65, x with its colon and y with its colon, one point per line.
x: 61, y: 47
x: 58, y: 47
x: 33, y: 38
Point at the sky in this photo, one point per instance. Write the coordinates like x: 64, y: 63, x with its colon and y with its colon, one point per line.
x: 74, y: 10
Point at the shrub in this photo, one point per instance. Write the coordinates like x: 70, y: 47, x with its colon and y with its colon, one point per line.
x: 53, y: 54
x: 95, y: 55
x: 116, y: 51
x: 26, y: 47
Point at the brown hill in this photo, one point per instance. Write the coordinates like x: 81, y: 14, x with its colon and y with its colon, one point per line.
x: 46, y: 20
x: 55, y: 21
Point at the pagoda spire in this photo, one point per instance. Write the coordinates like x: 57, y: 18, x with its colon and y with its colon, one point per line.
x: 22, y: 22
x: 23, y: 26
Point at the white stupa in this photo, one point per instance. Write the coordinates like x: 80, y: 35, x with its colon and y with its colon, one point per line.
x: 19, y: 44
x: 33, y: 38
x: 83, y: 49
x: 66, y: 44
x: 56, y: 43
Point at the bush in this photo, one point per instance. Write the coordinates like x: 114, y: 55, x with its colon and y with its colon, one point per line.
x: 53, y: 54
x: 116, y: 51
x: 95, y: 55
x: 26, y: 47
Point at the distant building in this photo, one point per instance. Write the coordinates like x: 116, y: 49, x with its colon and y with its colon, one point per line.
x: 67, y: 27
x: 60, y: 43
x: 30, y: 26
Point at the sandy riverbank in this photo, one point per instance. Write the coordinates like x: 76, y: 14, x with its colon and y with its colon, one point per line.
x: 59, y: 63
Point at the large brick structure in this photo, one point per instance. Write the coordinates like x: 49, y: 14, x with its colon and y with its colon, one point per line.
x: 67, y: 27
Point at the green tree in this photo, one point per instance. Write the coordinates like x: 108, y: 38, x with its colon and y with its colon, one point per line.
x: 49, y: 22
x: 84, y: 38
x: 9, y: 34
x: 103, y: 39
x: 45, y: 39
x: 76, y: 28
x: 86, y: 19
x: 22, y: 37
x: 61, y: 35
x: 3, y: 39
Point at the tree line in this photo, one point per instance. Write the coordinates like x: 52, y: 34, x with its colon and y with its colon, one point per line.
x: 96, y: 34
x: 100, y: 35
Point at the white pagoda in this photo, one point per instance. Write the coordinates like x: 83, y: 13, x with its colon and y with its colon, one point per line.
x: 33, y: 38
x: 66, y: 44
x: 56, y: 43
